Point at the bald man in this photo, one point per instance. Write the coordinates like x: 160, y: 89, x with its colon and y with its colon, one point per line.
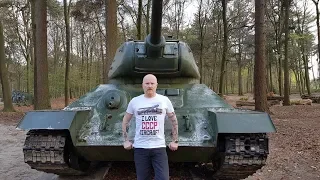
x: 150, y: 110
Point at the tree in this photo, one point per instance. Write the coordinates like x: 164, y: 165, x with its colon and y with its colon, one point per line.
x: 239, y: 32
x: 34, y: 51
x: 303, y: 18
x: 66, y: 80
x: 225, y: 46
x: 316, y: 3
x: 139, y: 20
x: 41, y: 70
x: 174, y: 15
x: 8, y: 107
x: 286, y: 102
x: 111, y: 35
x: 201, y: 15
x: 260, y: 84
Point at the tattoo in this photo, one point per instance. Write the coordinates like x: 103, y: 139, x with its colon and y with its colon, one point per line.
x: 125, y: 135
x: 125, y: 124
x: 174, y: 123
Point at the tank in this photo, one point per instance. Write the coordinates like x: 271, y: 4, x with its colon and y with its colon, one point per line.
x: 66, y: 141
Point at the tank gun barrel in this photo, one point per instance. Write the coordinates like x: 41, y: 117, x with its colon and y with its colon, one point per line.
x: 156, y: 21
x: 155, y: 41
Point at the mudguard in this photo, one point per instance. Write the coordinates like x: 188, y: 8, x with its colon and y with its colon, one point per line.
x: 55, y: 120
x: 241, y: 122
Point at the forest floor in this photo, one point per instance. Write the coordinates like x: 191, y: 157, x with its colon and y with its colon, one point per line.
x: 294, y: 148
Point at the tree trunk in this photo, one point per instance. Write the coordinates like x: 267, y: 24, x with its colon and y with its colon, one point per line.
x: 33, y: 44
x: 66, y: 77
x: 248, y: 79
x: 225, y: 45
x: 306, y: 70
x: 232, y: 80
x: 19, y: 81
x: 102, y: 58
x: 260, y: 66
x: 299, y: 72
x: 201, y: 58
x: 26, y: 22
x: 8, y: 107
x: 139, y: 20
x: 90, y: 66
x: 111, y: 34
x: 226, y: 80
x: 86, y: 84
x: 82, y: 69
x: 316, y: 3
x: 270, y: 77
x: 28, y: 72
x: 42, y: 88
x: 123, y: 28
x: 214, y: 60
x: 286, y: 101
x: 251, y: 79
x: 240, y: 92
x: 298, y: 81
x: 313, y: 75
x: 56, y: 50
x: 201, y: 38
x: 147, y: 18
x: 280, y: 73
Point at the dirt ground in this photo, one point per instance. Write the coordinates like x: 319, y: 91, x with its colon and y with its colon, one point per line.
x: 294, y: 148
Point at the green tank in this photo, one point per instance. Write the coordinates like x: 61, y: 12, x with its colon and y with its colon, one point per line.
x: 65, y: 141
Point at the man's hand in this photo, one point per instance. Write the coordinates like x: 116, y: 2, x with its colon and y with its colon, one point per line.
x: 173, y: 146
x: 127, y: 145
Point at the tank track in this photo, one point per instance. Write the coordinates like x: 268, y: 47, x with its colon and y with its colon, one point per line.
x: 243, y: 155
x: 47, y: 151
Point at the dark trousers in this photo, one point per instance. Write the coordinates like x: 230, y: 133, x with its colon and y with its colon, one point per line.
x: 146, y: 159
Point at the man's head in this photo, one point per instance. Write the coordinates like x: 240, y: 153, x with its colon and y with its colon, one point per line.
x: 149, y: 85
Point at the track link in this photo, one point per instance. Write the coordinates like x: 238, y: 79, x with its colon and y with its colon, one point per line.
x: 47, y: 151
x: 244, y: 154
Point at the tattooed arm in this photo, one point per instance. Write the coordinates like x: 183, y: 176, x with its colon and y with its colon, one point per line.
x: 125, y: 122
x: 174, y: 122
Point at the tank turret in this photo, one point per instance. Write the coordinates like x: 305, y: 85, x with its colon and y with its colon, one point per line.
x: 156, y: 55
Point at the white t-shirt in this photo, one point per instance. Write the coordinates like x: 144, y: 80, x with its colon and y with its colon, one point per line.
x: 150, y: 114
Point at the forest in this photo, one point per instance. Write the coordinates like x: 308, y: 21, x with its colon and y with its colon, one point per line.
x: 60, y: 48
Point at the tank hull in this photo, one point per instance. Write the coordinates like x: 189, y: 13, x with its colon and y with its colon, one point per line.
x: 89, y: 129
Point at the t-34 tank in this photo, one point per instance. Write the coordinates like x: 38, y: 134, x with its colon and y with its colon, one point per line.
x: 66, y: 141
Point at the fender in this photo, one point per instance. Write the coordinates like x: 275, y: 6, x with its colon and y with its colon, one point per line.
x: 241, y: 122
x: 55, y: 120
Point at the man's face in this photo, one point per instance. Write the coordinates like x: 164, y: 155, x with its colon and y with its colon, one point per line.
x: 149, y: 85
